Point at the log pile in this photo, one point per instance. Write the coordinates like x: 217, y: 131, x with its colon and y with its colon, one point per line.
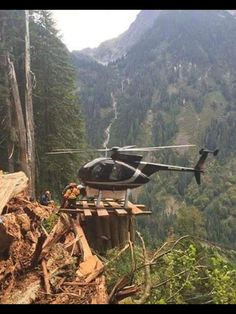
x: 37, y: 267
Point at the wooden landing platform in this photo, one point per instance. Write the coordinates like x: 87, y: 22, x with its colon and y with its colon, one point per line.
x: 107, y: 207
x: 108, y: 225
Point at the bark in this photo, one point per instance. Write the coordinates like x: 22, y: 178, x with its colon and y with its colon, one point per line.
x: 10, y: 144
x: 29, y: 111
x: 11, y: 185
x: 19, y: 117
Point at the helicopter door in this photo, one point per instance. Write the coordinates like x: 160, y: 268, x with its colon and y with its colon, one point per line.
x: 101, y: 172
x: 120, y: 172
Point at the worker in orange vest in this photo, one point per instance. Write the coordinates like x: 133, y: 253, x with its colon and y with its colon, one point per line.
x: 71, y: 195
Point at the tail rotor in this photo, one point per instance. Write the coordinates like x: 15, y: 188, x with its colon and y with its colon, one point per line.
x: 199, y: 168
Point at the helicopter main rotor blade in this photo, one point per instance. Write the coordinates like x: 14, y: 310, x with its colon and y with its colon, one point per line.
x: 74, y: 151
x: 127, y: 147
x: 80, y: 150
x: 130, y: 148
x: 149, y: 149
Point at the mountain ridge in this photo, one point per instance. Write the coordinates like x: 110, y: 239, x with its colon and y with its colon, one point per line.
x: 115, y: 48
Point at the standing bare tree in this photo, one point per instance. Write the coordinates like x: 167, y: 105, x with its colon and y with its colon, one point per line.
x: 19, y: 115
x: 29, y: 117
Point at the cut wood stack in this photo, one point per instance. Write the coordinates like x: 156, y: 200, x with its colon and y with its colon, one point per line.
x: 37, y: 267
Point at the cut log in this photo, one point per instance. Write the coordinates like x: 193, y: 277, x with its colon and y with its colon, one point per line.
x: 106, y: 232
x: 99, y: 234
x: 131, y: 229
x: 84, y: 247
x: 123, y: 230
x: 114, y: 230
x: 101, y: 296
x: 11, y: 185
x: 90, y: 269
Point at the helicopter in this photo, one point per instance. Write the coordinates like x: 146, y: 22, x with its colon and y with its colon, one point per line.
x: 122, y: 171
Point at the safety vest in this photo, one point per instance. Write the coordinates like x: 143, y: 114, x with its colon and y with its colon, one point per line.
x: 72, y: 193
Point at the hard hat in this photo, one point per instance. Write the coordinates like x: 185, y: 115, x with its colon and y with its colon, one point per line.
x: 72, y: 184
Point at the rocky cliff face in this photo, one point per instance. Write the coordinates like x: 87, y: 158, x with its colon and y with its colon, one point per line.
x: 114, y: 49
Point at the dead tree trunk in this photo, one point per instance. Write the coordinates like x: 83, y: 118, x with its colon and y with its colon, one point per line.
x: 29, y: 110
x: 18, y: 116
x: 10, y: 127
x: 11, y: 143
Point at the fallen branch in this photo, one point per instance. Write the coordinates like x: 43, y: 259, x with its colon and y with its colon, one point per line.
x: 126, y: 292
x: 46, y: 277
x: 148, y: 284
x: 121, y: 283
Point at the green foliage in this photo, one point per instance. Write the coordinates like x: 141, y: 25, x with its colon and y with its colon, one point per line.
x: 58, y: 119
x: 222, y: 278
x: 190, y: 272
x: 190, y: 221
x: 50, y: 222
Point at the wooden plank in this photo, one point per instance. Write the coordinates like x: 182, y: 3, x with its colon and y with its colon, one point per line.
x: 146, y: 212
x: 85, y: 204
x: 90, y: 269
x: 119, y: 212
x: 86, y: 251
x: 87, y: 212
x: 140, y: 205
x: 101, y: 211
x: 134, y: 209
x: 114, y: 204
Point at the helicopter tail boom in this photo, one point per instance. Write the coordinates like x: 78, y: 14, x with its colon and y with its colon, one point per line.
x: 150, y: 168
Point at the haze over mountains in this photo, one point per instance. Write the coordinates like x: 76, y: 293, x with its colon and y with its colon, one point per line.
x: 172, y: 76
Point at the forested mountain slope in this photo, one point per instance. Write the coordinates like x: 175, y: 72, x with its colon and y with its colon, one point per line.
x: 175, y: 85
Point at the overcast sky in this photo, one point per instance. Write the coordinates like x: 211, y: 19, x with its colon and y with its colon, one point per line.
x: 88, y: 28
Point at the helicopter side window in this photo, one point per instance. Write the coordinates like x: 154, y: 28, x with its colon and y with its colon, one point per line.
x: 101, y: 171
x: 97, y: 170
x: 120, y: 172
x: 115, y: 173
